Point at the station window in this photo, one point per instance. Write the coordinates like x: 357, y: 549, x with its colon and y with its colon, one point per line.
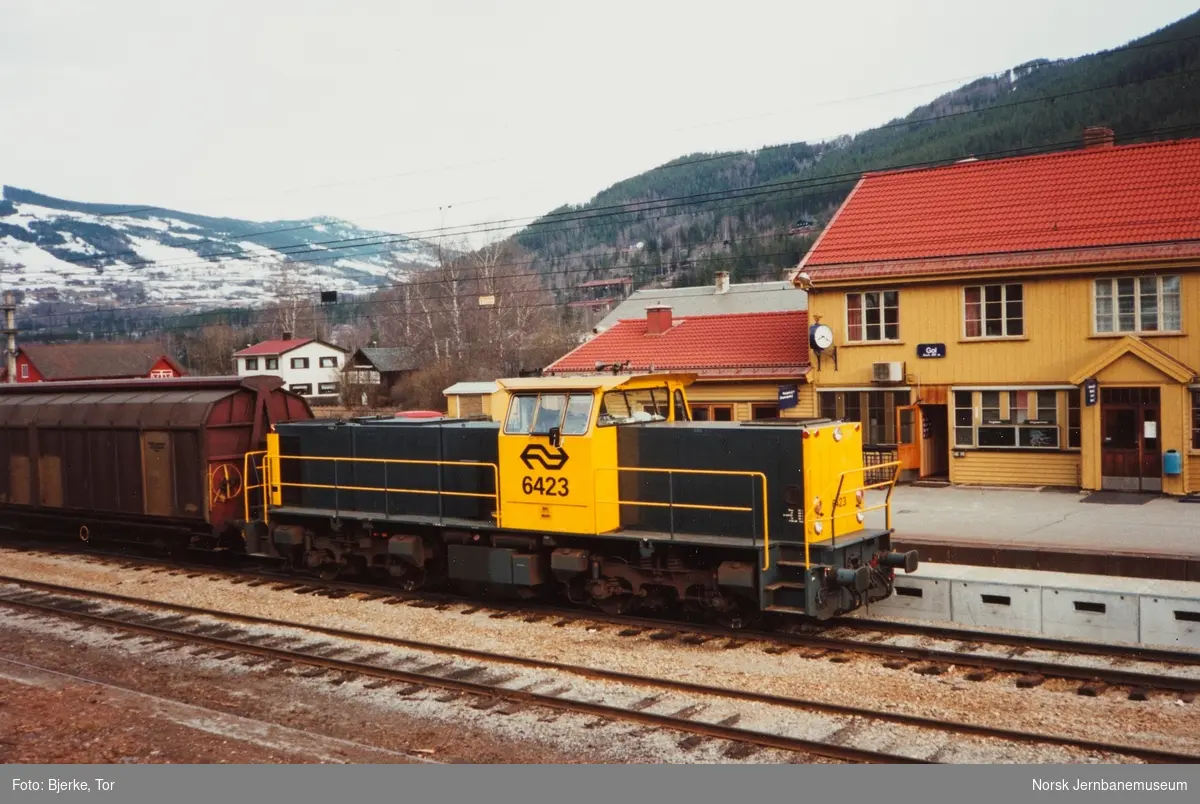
x: 329, y: 362
x: 1195, y: 419
x: 1074, y: 430
x: 1022, y: 418
x: 994, y: 311
x: 251, y: 364
x: 1138, y: 304
x: 873, y: 316
x: 875, y: 409
x: 712, y: 413
x: 764, y: 411
x: 299, y: 362
x: 272, y: 364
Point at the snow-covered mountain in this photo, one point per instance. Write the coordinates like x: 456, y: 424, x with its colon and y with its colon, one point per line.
x: 76, y: 255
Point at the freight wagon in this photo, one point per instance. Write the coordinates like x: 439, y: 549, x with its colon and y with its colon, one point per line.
x: 158, y: 461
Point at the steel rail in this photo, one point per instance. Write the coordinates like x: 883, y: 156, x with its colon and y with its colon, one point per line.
x: 1148, y: 754
x: 713, y: 730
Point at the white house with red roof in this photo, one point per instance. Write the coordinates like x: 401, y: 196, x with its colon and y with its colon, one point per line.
x: 309, y: 367
x: 748, y: 365
x: 1031, y: 320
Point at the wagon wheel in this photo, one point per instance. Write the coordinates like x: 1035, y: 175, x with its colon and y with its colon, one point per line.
x: 226, y: 483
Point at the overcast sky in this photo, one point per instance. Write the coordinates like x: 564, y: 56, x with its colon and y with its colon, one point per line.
x: 384, y: 111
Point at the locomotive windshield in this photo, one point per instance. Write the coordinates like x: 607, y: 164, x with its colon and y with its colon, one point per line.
x: 640, y: 405
x: 538, y: 414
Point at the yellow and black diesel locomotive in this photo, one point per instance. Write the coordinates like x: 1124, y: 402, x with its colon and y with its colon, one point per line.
x: 599, y: 489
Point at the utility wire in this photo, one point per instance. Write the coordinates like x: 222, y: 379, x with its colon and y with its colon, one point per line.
x: 553, y: 217
x: 825, y: 182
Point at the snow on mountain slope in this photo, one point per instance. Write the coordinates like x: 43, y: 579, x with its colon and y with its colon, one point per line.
x: 58, y: 251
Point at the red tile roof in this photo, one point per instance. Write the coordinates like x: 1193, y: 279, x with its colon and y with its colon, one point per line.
x: 1077, y: 207
x: 737, y: 345
x: 276, y: 347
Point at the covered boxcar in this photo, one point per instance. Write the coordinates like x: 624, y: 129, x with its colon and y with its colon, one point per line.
x: 158, y: 460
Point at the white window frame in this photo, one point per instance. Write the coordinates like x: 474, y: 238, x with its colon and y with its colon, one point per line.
x: 1061, y: 424
x: 1115, y: 319
x: 862, y: 294
x: 1004, y: 300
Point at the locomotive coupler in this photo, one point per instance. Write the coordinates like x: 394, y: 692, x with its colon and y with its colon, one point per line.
x: 906, y: 561
x: 858, y: 579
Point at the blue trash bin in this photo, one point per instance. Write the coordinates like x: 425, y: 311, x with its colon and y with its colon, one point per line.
x: 1172, y: 463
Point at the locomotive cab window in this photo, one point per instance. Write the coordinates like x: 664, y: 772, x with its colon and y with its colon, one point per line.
x: 636, y: 406
x: 538, y: 414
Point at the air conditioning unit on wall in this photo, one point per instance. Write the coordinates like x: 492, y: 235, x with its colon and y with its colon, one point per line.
x: 887, y: 372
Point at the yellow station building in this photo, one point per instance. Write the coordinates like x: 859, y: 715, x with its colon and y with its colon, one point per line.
x: 1030, y: 321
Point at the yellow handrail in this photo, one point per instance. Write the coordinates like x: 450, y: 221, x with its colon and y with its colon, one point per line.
x: 886, y: 504
x: 726, y: 473
x: 494, y: 496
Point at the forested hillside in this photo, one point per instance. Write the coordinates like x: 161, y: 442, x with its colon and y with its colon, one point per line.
x: 707, y: 212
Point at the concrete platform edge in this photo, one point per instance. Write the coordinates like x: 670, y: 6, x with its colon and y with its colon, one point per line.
x: 1134, y: 611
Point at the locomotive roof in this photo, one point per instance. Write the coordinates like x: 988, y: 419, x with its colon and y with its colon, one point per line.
x: 592, y: 382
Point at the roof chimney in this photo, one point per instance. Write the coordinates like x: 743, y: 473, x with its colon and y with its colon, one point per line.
x: 1097, y: 137
x: 287, y: 336
x: 722, y: 281
x: 658, y: 319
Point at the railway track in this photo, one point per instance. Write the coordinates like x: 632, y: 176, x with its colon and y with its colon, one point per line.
x: 180, y: 623
x: 970, y: 652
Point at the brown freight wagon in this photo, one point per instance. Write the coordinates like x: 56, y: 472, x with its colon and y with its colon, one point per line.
x: 151, y: 460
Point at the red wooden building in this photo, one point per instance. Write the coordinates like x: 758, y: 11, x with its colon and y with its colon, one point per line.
x: 93, y: 361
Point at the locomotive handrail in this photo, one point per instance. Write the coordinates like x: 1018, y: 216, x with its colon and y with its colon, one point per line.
x: 866, y: 509
x: 388, y: 489
x: 672, y: 504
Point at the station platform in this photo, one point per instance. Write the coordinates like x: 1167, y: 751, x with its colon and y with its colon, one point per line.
x: 1106, y: 533
x: 1107, y: 610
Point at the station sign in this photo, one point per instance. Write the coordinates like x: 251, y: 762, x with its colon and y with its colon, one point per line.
x: 789, y: 396
x: 931, y: 350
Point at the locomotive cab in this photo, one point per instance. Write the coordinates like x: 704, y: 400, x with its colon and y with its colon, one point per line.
x: 558, y: 446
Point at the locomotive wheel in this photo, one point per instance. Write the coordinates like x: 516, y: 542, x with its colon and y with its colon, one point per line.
x: 414, y: 579
x: 621, y: 604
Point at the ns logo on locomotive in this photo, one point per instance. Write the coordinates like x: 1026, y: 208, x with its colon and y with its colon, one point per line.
x: 598, y: 490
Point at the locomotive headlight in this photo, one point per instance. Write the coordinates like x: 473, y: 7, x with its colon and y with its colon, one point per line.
x: 817, y: 528
x: 837, y: 434
x: 861, y: 517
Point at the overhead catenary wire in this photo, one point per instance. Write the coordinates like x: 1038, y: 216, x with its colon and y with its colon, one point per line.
x: 820, y: 182
x: 633, y: 208
x: 505, y: 224
x: 1132, y: 46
